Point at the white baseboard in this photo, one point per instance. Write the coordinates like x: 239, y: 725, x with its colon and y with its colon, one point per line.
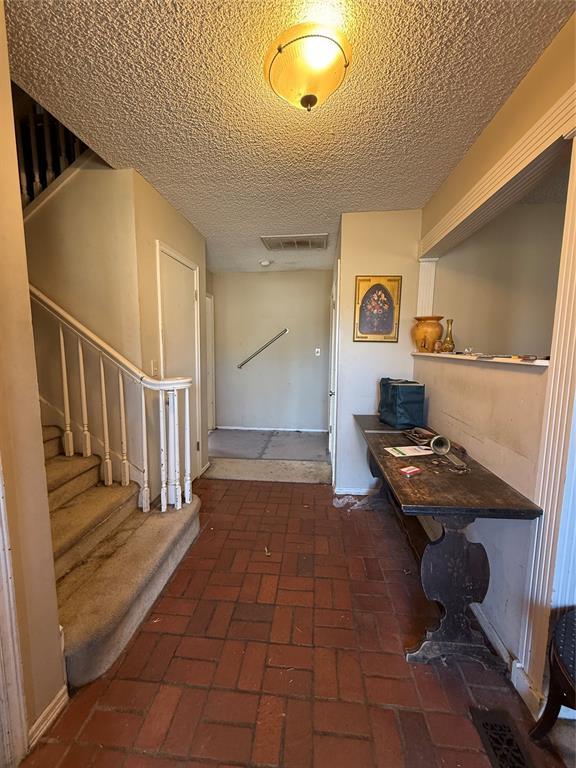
x: 492, y: 634
x: 272, y: 429
x: 47, y: 717
x: 204, y: 468
x: 533, y: 699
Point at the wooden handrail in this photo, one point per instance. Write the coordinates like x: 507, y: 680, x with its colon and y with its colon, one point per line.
x: 171, y: 432
x: 136, y: 373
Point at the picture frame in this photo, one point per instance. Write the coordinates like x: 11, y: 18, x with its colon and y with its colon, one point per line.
x: 377, y: 307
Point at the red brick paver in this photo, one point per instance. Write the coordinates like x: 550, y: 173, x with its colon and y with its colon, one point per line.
x: 278, y: 643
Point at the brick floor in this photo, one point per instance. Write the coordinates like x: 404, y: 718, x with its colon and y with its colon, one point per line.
x: 278, y: 642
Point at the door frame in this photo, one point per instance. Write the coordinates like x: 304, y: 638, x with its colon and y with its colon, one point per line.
x: 162, y: 248
x: 333, y: 377
x: 13, y: 727
x: 211, y: 362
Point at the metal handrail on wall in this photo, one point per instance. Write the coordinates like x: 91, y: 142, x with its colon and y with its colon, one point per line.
x: 263, y: 347
x: 171, y: 434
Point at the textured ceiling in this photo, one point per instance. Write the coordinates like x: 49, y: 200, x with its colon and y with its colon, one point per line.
x: 174, y: 88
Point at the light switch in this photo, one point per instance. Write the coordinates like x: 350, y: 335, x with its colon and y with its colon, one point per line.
x: 317, y: 351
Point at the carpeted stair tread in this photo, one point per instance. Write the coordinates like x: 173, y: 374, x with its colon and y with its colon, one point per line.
x: 50, y: 432
x: 61, y: 469
x: 103, y: 600
x: 85, y: 512
x: 52, y: 439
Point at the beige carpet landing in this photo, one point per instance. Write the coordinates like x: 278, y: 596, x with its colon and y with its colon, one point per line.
x: 271, y: 470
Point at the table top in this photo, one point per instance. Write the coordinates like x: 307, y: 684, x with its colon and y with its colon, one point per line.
x: 438, y: 489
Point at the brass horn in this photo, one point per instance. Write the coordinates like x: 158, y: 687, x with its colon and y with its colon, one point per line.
x: 440, y: 445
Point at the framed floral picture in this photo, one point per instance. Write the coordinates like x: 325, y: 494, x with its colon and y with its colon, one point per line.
x: 377, y: 308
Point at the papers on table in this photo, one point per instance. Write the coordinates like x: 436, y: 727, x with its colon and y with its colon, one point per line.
x: 410, y: 450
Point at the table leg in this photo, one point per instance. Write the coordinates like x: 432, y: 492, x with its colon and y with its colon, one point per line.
x: 455, y: 572
x: 549, y: 715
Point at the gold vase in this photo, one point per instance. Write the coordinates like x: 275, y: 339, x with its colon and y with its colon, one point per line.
x: 448, y: 343
x: 427, y: 331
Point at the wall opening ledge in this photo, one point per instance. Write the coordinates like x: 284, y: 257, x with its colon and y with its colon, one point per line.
x: 472, y: 358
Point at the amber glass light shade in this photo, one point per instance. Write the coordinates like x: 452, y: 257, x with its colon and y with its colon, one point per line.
x: 306, y: 64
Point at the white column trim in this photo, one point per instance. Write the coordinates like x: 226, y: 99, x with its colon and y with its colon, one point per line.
x: 558, y: 122
x: 426, y: 282
x: 12, y: 705
x: 553, y: 464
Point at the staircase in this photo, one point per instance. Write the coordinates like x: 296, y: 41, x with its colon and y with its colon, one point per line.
x: 111, y: 559
x: 45, y: 147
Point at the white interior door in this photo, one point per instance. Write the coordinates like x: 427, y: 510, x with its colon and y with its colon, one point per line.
x: 334, y: 315
x: 180, y: 333
x: 210, y: 380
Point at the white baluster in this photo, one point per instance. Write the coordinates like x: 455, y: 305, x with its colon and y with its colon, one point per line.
x: 86, y: 439
x: 107, y: 463
x: 187, y: 451
x: 21, y: 167
x: 145, y: 492
x: 63, y: 157
x: 68, y: 437
x: 176, y: 449
x: 36, y: 186
x: 50, y: 175
x: 171, y: 455
x: 125, y: 467
x: 163, y: 453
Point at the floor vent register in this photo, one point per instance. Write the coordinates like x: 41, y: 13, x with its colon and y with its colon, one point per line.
x: 501, y: 739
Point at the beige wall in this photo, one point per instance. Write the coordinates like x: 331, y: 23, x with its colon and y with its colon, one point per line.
x: 209, y: 282
x: 91, y: 244
x: 21, y: 439
x: 156, y: 219
x: 500, y: 284
x: 377, y: 243
x: 286, y: 387
x: 81, y: 253
x: 495, y: 411
x: 496, y: 404
x: 545, y: 83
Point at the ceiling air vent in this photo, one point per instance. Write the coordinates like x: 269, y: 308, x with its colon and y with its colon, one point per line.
x: 295, y: 242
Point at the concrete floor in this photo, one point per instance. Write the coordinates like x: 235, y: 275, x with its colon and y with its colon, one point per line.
x: 268, y: 444
x: 269, y: 470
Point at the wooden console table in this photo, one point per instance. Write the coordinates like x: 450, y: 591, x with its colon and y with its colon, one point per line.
x: 454, y: 571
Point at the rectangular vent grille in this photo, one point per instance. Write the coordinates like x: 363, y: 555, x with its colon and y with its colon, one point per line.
x: 501, y: 739
x: 295, y: 242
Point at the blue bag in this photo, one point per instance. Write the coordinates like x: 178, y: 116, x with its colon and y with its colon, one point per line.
x: 401, y: 403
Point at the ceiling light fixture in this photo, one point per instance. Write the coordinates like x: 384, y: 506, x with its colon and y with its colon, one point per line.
x: 265, y: 263
x: 307, y: 63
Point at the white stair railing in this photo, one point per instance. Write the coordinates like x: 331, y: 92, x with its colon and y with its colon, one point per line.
x: 44, y: 146
x: 109, y: 404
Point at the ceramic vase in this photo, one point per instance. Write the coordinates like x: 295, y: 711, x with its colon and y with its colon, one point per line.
x: 448, y: 343
x: 427, y: 331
